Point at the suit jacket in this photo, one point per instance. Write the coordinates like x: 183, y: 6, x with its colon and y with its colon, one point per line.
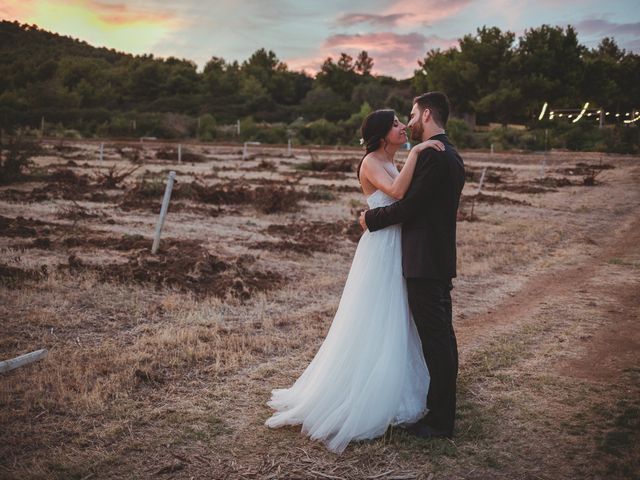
x: 428, y: 214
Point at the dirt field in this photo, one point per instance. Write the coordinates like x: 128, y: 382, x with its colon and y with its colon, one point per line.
x: 160, y: 366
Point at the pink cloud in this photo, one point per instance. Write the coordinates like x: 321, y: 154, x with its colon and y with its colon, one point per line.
x: 425, y: 12
x: 13, y: 10
x: 120, y: 13
x: 393, y: 54
x: 407, y: 13
x: 349, y: 19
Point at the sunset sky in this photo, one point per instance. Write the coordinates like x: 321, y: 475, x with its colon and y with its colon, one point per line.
x: 302, y: 33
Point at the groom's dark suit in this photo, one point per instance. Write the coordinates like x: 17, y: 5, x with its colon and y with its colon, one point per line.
x: 428, y: 216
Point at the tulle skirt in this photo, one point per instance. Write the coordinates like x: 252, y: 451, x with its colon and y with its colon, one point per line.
x: 369, y: 372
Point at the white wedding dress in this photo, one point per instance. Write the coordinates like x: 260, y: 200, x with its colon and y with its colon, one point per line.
x: 369, y: 372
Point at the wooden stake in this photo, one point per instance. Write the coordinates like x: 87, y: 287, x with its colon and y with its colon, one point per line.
x: 101, y: 151
x: 163, y: 211
x: 484, y: 171
x: 179, y: 153
x: 473, y: 201
x: 22, y: 360
x: 244, y: 149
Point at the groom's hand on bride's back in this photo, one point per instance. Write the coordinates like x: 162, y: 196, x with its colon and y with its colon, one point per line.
x: 362, y: 221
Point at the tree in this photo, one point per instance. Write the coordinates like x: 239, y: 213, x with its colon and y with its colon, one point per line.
x: 340, y: 77
x: 372, y: 93
x: 364, y: 63
x: 449, y: 72
x: 549, y: 67
x: 147, y: 81
x: 220, y: 78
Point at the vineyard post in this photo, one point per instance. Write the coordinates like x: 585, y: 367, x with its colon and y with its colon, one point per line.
x: 163, y: 211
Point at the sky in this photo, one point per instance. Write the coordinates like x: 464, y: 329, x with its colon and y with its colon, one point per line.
x: 302, y: 33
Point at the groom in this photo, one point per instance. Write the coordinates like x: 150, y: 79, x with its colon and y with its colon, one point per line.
x: 428, y: 216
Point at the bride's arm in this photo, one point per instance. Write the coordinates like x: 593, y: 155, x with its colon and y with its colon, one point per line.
x: 397, y: 187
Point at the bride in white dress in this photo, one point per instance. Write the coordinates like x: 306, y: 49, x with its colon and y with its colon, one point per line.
x: 369, y: 372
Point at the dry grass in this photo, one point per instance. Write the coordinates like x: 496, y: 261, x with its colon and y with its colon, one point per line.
x: 146, y: 381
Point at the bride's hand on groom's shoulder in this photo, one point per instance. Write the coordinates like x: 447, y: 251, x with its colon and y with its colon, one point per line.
x: 434, y: 144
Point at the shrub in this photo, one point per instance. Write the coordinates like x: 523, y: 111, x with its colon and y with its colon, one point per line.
x: 15, y: 157
x: 321, y: 132
x: 207, y: 127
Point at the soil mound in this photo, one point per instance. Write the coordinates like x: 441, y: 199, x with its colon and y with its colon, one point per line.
x: 170, y: 153
x: 493, y: 199
x: 187, y: 268
x: 14, y: 276
x: 265, y: 198
x: 23, y: 227
x: 310, y: 236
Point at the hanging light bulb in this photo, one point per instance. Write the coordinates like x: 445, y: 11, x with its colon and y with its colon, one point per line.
x: 584, y: 109
x: 544, y: 109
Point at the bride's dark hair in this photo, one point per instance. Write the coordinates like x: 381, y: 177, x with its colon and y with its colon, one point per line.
x: 373, y: 130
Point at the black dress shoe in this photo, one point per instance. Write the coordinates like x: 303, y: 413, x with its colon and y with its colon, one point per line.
x: 422, y: 430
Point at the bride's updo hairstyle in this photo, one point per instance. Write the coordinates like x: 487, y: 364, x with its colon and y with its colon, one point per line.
x: 373, y: 130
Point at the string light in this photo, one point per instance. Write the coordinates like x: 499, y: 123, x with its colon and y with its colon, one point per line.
x: 633, y: 120
x: 544, y: 109
x: 584, y: 109
x: 597, y: 114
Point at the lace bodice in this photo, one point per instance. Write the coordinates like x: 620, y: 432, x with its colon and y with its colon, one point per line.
x: 379, y: 199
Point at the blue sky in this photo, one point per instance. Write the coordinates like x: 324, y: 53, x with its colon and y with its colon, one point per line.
x: 302, y: 33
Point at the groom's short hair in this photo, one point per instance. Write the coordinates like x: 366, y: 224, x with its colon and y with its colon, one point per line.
x: 437, y: 103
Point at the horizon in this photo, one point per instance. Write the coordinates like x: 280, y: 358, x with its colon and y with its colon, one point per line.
x: 394, y: 38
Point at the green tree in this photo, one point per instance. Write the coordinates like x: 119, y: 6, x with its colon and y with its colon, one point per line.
x: 550, y: 67
x: 340, y: 77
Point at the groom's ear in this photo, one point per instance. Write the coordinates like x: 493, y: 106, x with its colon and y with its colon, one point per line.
x: 425, y: 115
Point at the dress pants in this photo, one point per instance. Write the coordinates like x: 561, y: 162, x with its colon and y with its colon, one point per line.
x: 430, y: 303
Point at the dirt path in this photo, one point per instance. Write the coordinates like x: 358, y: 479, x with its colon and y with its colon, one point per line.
x: 564, y: 283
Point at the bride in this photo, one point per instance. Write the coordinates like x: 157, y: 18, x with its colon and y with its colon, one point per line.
x: 370, y: 371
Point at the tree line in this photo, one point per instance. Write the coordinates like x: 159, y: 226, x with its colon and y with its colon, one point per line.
x: 489, y: 77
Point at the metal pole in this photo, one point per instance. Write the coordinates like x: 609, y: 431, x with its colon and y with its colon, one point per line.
x: 101, y: 151
x: 289, y: 147
x: 163, y: 211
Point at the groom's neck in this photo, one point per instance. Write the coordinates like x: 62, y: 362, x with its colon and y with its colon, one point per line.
x: 430, y: 130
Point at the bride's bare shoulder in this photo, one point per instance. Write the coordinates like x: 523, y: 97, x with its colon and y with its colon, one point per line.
x: 370, y: 159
